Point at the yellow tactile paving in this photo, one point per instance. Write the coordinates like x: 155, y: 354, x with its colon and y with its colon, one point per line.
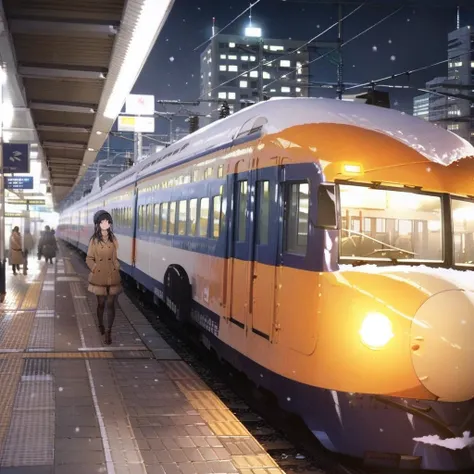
x: 17, y: 332
x: 217, y: 416
x: 258, y: 461
x: 272, y: 470
x: 230, y: 428
x: 10, y: 372
x: 32, y: 296
x: 56, y: 355
x: 205, y: 400
x: 179, y: 370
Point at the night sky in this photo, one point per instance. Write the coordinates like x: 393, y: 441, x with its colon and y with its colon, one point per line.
x: 415, y: 36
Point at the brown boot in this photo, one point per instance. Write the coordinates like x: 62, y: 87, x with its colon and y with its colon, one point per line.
x: 108, y: 338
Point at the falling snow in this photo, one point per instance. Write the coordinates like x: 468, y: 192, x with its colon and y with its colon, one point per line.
x: 172, y: 58
x: 393, y: 57
x: 374, y: 49
x: 389, y: 41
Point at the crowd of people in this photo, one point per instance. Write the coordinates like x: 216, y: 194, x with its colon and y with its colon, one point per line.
x: 22, y: 246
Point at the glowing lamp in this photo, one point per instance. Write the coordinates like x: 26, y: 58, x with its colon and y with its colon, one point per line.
x: 252, y: 32
x: 352, y: 169
x: 376, y: 331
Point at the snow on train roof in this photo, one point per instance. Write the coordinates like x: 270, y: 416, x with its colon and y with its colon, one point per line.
x: 435, y: 143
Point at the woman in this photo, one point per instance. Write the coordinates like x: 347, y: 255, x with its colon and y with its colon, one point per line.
x: 48, y: 245
x: 104, y: 278
x: 16, y: 253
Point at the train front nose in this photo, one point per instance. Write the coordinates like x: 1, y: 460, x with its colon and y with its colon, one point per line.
x: 442, y: 345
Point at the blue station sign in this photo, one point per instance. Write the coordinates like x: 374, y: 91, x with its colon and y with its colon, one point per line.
x: 16, y: 158
x: 18, y: 182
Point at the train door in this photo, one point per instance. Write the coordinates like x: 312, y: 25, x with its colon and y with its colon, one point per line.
x: 264, y: 237
x: 239, y: 245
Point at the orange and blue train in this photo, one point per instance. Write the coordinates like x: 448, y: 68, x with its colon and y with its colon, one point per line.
x: 325, y: 248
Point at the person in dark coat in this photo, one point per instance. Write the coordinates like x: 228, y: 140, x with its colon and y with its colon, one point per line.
x: 16, y: 252
x: 39, y: 246
x: 104, y: 277
x: 48, y: 245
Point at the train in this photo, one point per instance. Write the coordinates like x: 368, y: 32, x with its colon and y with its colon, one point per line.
x: 325, y: 249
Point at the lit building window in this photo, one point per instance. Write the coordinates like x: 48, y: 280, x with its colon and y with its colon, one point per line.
x: 253, y: 73
x: 277, y: 48
x: 298, y: 80
x: 266, y: 46
x: 454, y: 126
x: 300, y: 69
x: 285, y: 89
x: 210, y: 74
x: 285, y: 63
x: 472, y: 64
x: 272, y: 90
x: 233, y: 68
x: 298, y: 89
x: 231, y: 45
x: 244, y: 84
x: 231, y: 95
x: 244, y: 58
x: 232, y: 57
x: 458, y: 64
x: 222, y: 67
x: 222, y: 95
x: 223, y: 56
x: 266, y: 75
x: 253, y: 58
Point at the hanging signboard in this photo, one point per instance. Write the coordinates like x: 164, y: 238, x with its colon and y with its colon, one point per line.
x: 14, y: 214
x: 136, y: 124
x: 139, y: 104
x: 18, y: 182
x: 26, y: 202
x: 16, y: 158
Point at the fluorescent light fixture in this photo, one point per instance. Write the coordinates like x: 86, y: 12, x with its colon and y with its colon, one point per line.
x: 3, y: 76
x: 253, y: 32
x: 149, y: 22
x: 7, y: 113
x: 90, y: 149
x: 7, y: 136
x: 33, y: 155
x: 98, y: 132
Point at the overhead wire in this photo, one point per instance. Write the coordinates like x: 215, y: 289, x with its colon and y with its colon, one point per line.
x: 228, y: 24
x: 404, y: 73
x: 289, y: 53
x: 341, y: 46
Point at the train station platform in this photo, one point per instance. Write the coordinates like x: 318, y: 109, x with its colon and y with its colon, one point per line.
x: 70, y: 405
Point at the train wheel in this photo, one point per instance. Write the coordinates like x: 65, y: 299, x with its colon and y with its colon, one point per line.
x: 177, y: 292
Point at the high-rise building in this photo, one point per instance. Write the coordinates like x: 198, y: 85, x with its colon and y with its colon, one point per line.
x: 453, y: 113
x: 242, y: 70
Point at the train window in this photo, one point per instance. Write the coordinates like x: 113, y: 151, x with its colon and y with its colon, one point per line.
x: 156, y: 212
x: 242, y: 211
x: 297, y: 218
x: 140, y: 218
x: 208, y: 173
x: 171, y: 228
x: 327, y: 207
x: 203, y: 217
x: 149, y: 215
x: 220, y: 171
x: 216, y: 210
x: 195, y: 176
x: 164, y: 218
x: 263, y: 212
x: 192, y: 215
x: 182, y: 211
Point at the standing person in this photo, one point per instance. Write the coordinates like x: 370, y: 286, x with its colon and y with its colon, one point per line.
x: 28, y: 245
x: 16, y: 254
x: 48, y: 245
x: 104, y: 277
x: 39, y: 244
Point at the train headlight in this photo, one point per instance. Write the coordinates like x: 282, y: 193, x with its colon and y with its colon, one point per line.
x: 376, y: 330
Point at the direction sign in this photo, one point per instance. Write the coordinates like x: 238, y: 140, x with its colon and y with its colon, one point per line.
x: 136, y: 124
x: 14, y: 214
x: 139, y: 104
x: 18, y: 182
x: 16, y: 158
x: 31, y: 202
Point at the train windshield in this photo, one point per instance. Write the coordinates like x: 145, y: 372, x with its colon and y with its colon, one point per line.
x: 463, y: 231
x: 391, y: 225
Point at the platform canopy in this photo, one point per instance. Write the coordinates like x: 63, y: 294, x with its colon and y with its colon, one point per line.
x: 76, y: 61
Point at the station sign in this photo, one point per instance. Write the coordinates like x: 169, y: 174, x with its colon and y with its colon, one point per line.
x: 28, y: 202
x: 136, y: 124
x: 16, y: 157
x: 18, y: 182
x: 140, y: 104
x: 14, y: 214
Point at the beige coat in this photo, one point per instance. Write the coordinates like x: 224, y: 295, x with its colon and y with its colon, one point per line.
x: 103, y: 263
x: 16, y: 255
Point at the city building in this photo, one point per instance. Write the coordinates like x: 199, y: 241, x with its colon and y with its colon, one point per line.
x: 246, y: 69
x: 452, y: 113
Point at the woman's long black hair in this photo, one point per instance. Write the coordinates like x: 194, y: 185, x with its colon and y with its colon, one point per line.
x: 97, y: 235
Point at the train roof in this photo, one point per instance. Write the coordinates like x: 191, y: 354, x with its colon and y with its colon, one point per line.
x: 277, y: 114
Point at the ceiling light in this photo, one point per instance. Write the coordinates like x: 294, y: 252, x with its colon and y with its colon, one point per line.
x: 98, y: 132
x: 147, y: 27
x: 7, y: 113
x: 90, y: 149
